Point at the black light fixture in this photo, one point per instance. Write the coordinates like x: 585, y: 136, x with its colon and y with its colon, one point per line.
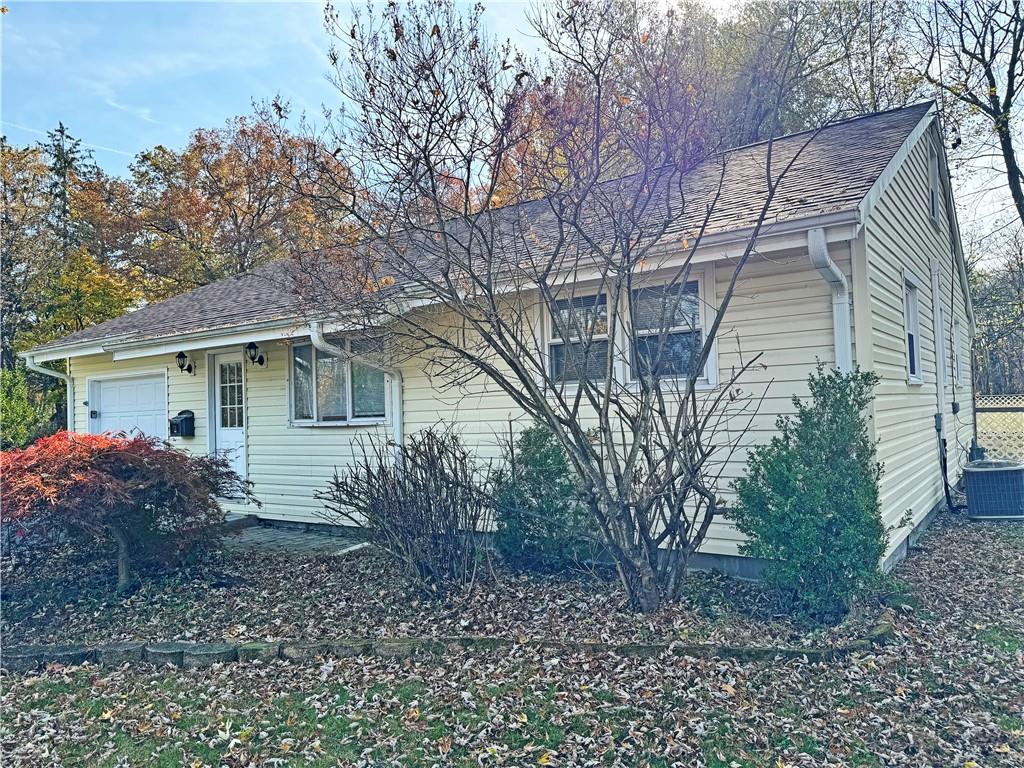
x: 252, y: 351
x: 184, y: 364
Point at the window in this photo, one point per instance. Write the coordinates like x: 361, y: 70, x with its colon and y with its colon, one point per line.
x: 230, y: 396
x: 327, y: 389
x: 911, y: 320
x: 667, y: 329
x: 954, y: 361
x: 579, y: 338
x: 934, y: 187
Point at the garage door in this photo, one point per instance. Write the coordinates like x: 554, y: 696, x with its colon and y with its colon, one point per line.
x: 133, y: 405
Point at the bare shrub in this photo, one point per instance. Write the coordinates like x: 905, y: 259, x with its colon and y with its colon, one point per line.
x: 423, y: 502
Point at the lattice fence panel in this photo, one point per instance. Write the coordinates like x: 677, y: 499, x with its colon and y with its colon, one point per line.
x: 1001, y: 426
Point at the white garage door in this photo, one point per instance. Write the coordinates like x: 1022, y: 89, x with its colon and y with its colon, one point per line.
x: 132, y: 405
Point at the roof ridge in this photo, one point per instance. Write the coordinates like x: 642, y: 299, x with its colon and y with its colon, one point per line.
x: 844, y: 121
x: 711, y: 156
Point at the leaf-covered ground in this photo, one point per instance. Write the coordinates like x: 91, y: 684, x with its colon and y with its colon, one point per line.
x: 240, y: 596
x: 948, y: 692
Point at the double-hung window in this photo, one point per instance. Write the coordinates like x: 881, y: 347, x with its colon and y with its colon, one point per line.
x: 327, y: 389
x: 667, y: 333
x: 912, y: 324
x: 579, y: 346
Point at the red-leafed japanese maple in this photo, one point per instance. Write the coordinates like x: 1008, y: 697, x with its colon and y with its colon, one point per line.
x: 156, y: 504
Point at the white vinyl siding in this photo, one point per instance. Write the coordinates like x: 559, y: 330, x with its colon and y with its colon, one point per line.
x: 958, y: 348
x: 781, y: 311
x: 287, y: 464
x: 900, y: 236
x: 934, y: 187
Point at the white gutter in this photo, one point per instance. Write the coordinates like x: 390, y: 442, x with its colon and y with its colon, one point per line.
x: 316, y: 336
x: 817, y: 247
x: 69, y: 384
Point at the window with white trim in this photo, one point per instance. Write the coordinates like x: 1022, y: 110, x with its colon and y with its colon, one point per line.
x: 666, y: 328
x: 957, y: 344
x: 579, y: 346
x: 327, y: 389
x: 912, y: 324
x: 934, y: 186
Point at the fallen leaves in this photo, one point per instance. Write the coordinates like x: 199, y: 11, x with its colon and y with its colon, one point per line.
x: 941, y: 694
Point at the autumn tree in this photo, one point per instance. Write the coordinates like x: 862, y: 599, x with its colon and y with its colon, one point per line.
x: 876, y: 67
x: 997, y: 288
x: 58, y: 274
x: 221, y: 206
x: 80, y: 282
x: 974, y: 54
x: 435, y: 113
x: 25, y: 239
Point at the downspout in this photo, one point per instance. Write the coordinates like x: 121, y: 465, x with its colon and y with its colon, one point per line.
x: 316, y: 336
x: 817, y: 248
x: 69, y: 385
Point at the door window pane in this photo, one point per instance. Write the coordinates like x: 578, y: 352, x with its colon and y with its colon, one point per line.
x: 231, y: 395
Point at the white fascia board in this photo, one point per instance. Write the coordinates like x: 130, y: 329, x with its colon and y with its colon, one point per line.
x: 187, y: 343
x: 60, y: 353
x: 780, y: 236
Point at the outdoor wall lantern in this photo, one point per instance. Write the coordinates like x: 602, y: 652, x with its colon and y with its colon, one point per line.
x: 184, y: 364
x: 256, y: 357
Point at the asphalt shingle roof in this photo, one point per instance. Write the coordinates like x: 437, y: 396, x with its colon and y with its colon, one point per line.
x: 834, y: 171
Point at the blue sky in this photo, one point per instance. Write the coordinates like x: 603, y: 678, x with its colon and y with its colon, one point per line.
x: 126, y: 76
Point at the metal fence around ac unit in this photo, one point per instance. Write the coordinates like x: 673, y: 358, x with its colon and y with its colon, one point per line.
x: 1001, y: 425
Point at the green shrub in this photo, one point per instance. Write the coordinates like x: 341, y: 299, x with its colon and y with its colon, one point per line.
x: 541, y: 521
x: 809, y: 503
x: 23, y: 417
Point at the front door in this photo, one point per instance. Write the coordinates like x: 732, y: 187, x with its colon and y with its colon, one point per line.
x: 229, y: 410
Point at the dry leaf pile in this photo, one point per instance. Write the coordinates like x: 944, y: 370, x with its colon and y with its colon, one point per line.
x: 243, y: 596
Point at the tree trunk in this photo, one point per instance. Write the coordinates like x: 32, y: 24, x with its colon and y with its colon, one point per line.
x: 124, y: 563
x: 641, y: 583
x: 1013, y: 171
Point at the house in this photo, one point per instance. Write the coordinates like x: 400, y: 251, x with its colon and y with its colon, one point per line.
x: 859, y: 261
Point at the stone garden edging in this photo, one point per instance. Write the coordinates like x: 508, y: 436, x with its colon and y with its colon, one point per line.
x: 25, y: 658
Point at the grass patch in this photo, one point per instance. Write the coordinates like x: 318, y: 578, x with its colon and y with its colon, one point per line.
x: 1010, y: 724
x: 1001, y: 639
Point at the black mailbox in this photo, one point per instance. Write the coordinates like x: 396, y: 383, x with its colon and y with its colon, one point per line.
x: 184, y: 424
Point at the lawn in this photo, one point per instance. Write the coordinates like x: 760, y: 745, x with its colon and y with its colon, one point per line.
x: 949, y: 691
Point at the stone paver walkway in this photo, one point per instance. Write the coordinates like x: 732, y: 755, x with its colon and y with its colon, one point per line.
x: 290, y: 541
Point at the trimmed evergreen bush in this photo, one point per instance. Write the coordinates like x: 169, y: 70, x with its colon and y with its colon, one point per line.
x: 809, y: 503
x: 541, y: 521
